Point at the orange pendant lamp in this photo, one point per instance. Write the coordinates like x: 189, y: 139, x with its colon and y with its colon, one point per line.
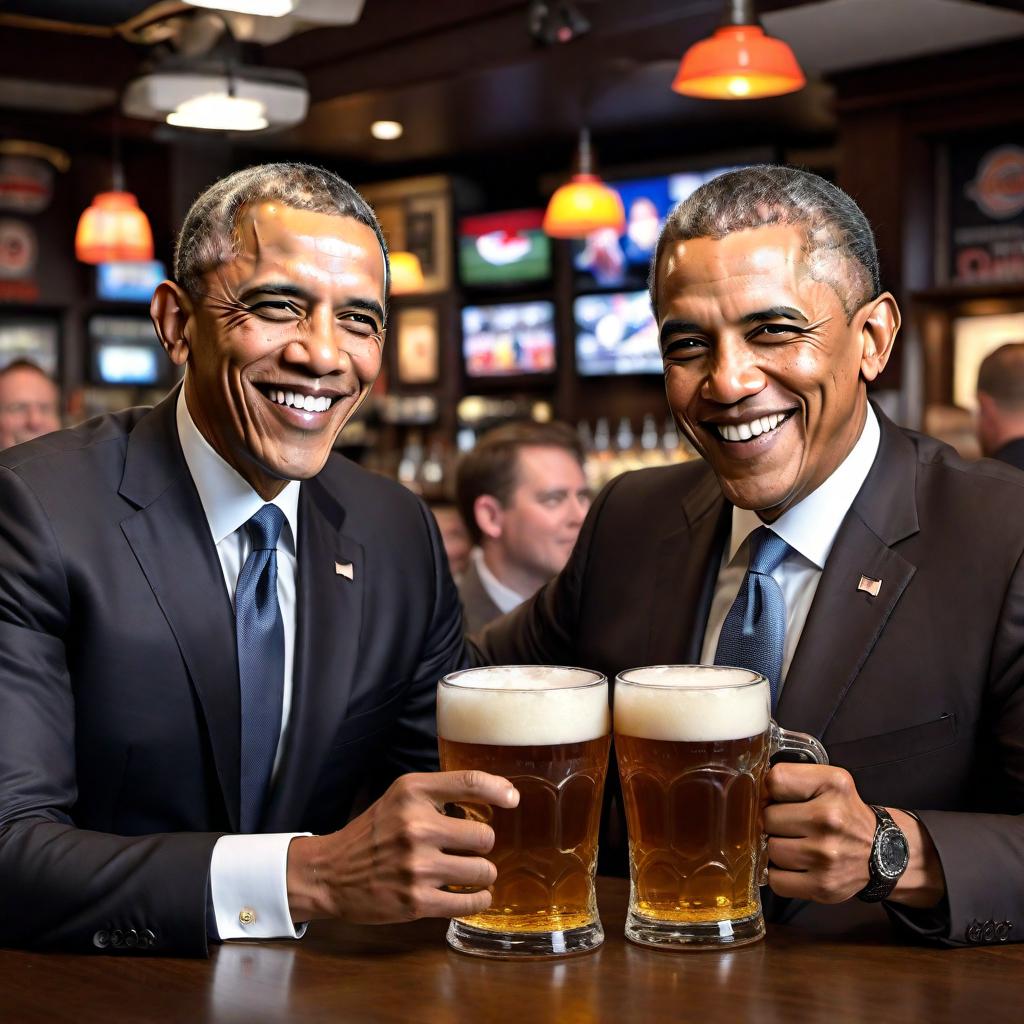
x: 585, y: 203
x: 114, y: 228
x: 739, y: 62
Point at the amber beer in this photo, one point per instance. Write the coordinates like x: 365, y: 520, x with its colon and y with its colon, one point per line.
x: 546, y: 730
x: 693, y: 745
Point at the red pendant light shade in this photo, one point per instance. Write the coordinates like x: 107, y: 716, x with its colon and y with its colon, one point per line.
x: 113, y: 228
x: 739, y: 62
x: 585, y: 203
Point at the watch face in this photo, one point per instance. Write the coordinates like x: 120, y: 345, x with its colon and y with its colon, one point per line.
x: 892, y: 853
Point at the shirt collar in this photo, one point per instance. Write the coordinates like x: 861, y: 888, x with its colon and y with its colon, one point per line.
x: 504, y: 597
x: 810, y: 526
x: 228, y: 500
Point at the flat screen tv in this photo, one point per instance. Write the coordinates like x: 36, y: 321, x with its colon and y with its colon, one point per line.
x: 129, y: 282
x: 508, y: 339
x: 616, y: 334
x: 125, y: 350
x: 606, y: 259
x: 504, y: 249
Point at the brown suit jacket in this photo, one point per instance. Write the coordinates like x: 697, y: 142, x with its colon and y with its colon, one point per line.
x: 477, y: 607
x: 918, y: 692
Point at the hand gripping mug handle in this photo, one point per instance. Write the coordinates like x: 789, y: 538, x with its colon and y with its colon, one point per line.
x: 780, y: 740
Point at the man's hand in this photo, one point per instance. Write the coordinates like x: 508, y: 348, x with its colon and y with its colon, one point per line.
x: 389, y: 864
x: 820, y: 834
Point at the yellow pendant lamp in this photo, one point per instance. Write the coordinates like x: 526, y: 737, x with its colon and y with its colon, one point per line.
x: 739, y: 62
x: 406, y: 273
x: 585, y: 203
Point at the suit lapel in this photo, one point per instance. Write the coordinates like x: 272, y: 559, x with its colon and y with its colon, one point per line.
x: 844, y: 622
x: 171, y: 540
x: 329, y: 620
x: 687, y: 567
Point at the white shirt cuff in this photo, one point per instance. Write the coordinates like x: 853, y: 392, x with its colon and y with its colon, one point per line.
x: 249, y: 887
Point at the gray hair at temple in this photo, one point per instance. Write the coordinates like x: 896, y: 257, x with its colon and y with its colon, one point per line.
x: 209, y: 237
x: 840, y: 246
x: 1001, y: 376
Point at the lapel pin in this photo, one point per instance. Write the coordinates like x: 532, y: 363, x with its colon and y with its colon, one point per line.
x: 868, y: 585
x: 344, y: 569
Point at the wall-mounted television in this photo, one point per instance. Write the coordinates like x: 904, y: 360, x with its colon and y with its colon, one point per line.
x: 36, y: 339
x: 125, y: 350
x: 503, y: 249
x: 129, y: 282
x: 605, y: 259
x: 508, y: 339
x: 616, y: 334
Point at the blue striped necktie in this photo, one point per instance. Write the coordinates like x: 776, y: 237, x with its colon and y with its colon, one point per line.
x: 259, y: 631
x: 754, y: 632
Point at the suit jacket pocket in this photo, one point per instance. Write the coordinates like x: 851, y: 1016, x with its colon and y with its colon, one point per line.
x: 367, y: 723
x: 899, y: 745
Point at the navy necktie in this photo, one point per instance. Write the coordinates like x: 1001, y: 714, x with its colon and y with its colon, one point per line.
x: 259, y: 632
x: 754, y: 632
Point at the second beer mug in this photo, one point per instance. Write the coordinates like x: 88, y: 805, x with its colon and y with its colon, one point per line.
x: 693, y: 744
x: 546, y: 730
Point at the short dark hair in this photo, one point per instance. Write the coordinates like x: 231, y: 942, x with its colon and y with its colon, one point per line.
x: 492, y: 465
x: 840, y: 246
x: 25, y: 364
x: 1001, y: 375
x: 208, y: 235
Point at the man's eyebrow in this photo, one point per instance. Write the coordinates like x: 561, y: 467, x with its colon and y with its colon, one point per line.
x: 774, y: 313
x: 284, y: 288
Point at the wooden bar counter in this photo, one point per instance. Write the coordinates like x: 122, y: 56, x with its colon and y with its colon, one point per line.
x: 407, y: 973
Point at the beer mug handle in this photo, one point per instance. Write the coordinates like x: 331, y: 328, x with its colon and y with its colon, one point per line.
x: 780, y: 739
x: 802, y: 743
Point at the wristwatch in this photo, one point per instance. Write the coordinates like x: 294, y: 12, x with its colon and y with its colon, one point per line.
x: 888, y: 858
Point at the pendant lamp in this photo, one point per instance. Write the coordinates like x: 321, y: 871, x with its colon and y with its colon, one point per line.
x: 585, y: 203
x: 406, y: 273
x: 114, y: 228
x: 739, y: 62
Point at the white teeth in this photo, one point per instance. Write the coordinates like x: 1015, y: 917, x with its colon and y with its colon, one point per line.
x: 307, y: 403
x: 745, y: 431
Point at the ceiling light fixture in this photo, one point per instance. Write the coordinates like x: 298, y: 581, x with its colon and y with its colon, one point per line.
x: 739, y: 62
x: 585, y: 203
x: 260, y: 8
x: 386, y: 130
x: 220, y: 112
x: 552, y: 22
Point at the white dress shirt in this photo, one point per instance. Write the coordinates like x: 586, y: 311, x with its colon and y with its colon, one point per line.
x: 810, y: 529
x: 504, y: 597
x: 247, y: 873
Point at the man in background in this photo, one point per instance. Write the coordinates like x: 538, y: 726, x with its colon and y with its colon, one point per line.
x: 454, y: 536
x: 1001, y: 404
x: 29, y: 403
x: 523, y: 496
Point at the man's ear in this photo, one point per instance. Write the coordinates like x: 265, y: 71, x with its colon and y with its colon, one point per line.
x: 880, y: 323
x: 170, y: 309
x: 489, y: 515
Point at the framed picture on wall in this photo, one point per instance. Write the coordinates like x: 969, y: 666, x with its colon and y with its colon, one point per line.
x: 416, y: 344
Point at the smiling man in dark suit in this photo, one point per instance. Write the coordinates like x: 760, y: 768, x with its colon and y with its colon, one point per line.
x: 213, y: 630
x: 893, y: 568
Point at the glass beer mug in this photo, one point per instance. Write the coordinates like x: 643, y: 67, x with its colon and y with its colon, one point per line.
x: 693, y: 744
x: 546, y: 730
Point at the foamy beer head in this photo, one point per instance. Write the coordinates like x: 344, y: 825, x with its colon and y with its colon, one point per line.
x: 522, y: 705
x: 691, y: 703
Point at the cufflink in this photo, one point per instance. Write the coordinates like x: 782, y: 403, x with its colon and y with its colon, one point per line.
x: 247, y: 916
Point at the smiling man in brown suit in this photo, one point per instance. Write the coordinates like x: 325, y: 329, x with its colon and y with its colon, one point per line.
x: 902, y: 581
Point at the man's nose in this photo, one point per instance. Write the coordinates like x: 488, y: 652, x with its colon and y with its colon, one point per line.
x: 318, y: 347
x: 733, y: 374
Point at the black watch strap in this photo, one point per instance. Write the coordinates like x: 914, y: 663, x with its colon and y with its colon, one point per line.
x: 880, y: 885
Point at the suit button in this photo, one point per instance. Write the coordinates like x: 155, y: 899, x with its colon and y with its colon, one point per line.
x: 148, y: 937
x: 101, y: 939
x: 988, y: 932
x: 117, y: 938
x: 973, y: 933
x: 131, y: 938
